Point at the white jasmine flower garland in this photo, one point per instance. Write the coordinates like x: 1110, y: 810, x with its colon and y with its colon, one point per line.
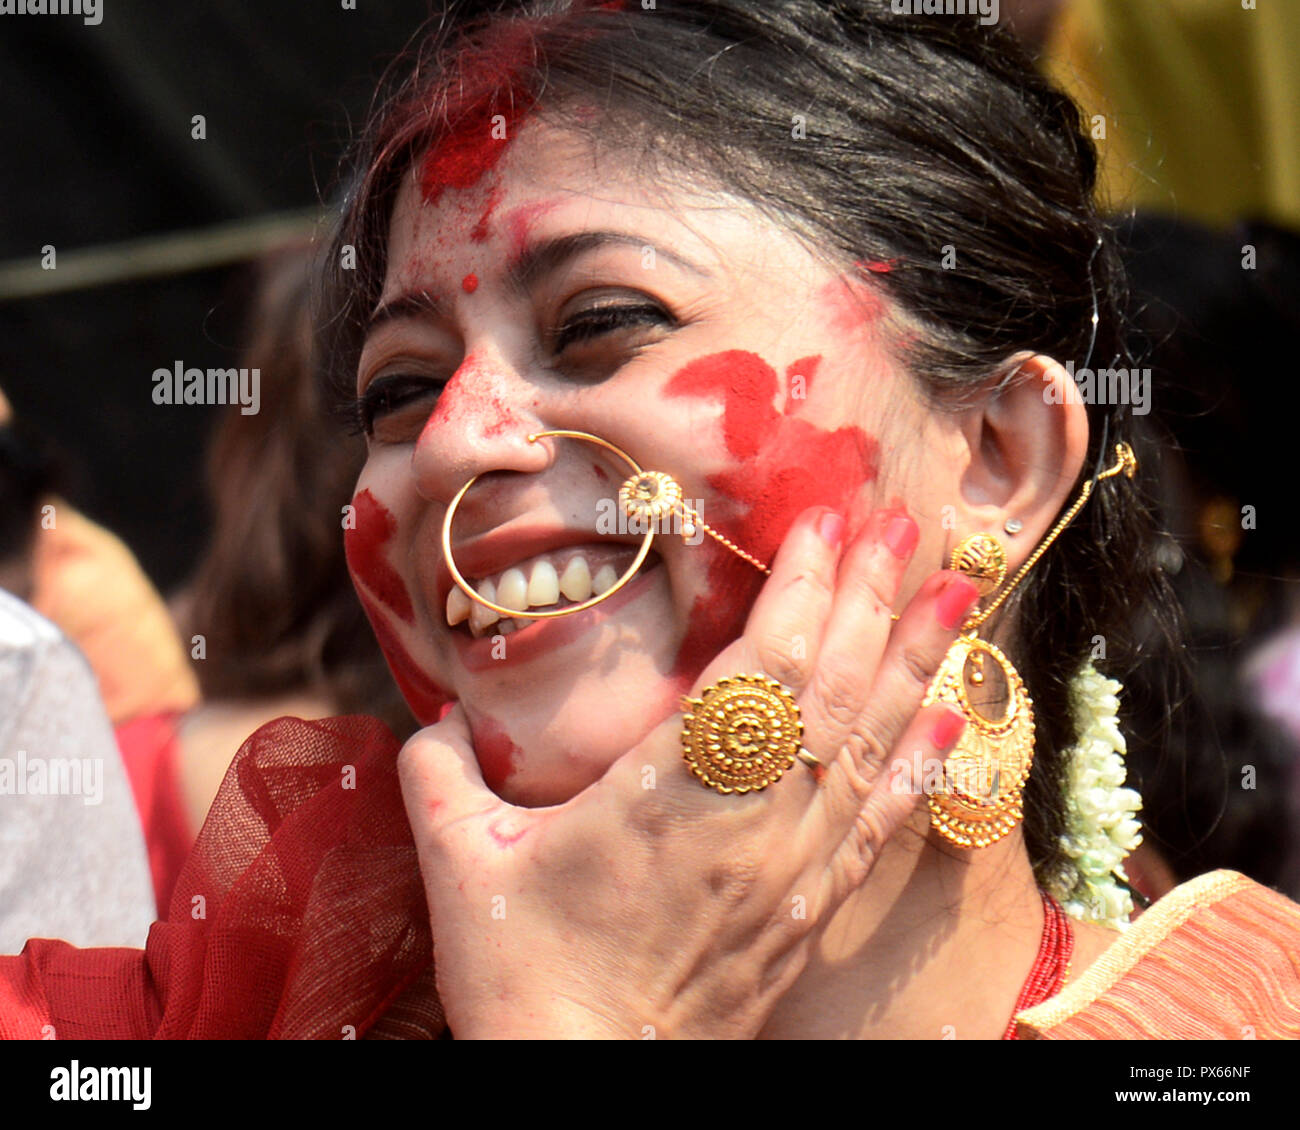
x: 1101, y: 829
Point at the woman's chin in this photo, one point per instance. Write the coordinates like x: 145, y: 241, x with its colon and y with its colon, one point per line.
x: 542, y: 789
x: 548, y: 757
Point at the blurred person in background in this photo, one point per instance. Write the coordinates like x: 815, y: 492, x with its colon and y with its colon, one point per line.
x: 72, y: 860
x: 1213, y: 332
x: 272, y: 622
x: 84, y: 579
x: 1193, y: 105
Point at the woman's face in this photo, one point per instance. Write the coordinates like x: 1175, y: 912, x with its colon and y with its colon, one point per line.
x: 553, y: 290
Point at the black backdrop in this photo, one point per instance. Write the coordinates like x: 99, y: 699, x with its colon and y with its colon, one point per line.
x: 96, y: 148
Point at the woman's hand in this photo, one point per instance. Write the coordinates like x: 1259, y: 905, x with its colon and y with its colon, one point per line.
x: 651, y: 906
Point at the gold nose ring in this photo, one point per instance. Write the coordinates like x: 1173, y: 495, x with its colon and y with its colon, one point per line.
x: 647, y: 496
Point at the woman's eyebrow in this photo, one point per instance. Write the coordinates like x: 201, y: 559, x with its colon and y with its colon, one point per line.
x: 547, y: 255
x: 532, y: 264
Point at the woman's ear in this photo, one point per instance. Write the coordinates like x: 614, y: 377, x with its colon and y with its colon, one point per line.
x: 1027, y: 445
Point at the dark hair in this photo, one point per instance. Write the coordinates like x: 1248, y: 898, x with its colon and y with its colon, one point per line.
x: 30, y: 472
x: 922, y: 134
x: 272, y: 595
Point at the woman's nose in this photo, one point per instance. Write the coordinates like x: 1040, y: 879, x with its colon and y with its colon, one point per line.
x: 482, y: 423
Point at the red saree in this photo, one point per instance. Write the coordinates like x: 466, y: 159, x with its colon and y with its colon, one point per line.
x: 300, y: 914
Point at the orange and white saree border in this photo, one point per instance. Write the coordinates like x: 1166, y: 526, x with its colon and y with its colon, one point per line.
x: 1218, y: 957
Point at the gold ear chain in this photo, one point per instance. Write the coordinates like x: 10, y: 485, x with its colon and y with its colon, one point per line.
x: 985, y: 774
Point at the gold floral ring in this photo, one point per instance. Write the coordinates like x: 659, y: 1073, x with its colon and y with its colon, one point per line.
x: 742, y: 734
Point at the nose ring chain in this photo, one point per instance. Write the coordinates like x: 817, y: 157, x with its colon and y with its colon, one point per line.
x: 645, y: 496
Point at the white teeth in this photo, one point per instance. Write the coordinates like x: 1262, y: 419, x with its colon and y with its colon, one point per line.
x: 575, y: 582
x: 458, y: 606
x: 604, y: 580
x: 480, y: 618
x: 512, y: 590
x: 515, y: 591
x: 544, y: 587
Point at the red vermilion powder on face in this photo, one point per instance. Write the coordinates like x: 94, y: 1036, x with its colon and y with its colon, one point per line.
x: 480, y: 230
x: 850, y: 304
x: 469, y: 284
x: 473, y: 146
x: 747, y: 387
x: 472, y: 403
x: 783, y: 465
x: 804, y: 368
x: 519, y: 223
x: 498, y: 756
x: 364, y: 549
x: 488, y: 105
x: 426, y: 698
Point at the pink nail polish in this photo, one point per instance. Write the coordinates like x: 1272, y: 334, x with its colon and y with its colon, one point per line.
x: 955, y: 601
x: 830, y: 528
x: 947, y: 730
x: 901, y: 535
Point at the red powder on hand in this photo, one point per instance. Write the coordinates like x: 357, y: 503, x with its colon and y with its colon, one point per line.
x: 364, y: 549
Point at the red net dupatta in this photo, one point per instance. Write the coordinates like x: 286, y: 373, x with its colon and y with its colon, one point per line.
x: 300, y: 913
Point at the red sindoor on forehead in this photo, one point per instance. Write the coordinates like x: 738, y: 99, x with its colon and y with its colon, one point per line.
x: 485, y: 114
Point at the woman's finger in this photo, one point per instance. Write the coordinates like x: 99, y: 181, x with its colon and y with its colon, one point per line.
x: 441, y: 780
x: 916, y: 647
x: 781, y: 639
x: 783, y: 633
x: 871, y: 571
x: 913, y: 771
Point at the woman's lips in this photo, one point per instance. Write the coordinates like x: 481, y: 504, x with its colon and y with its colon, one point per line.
x: 542, y: 637
x: 509, y: 544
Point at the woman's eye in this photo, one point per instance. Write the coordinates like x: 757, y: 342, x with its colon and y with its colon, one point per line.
x: 597, y: 321
x: 390, y: 402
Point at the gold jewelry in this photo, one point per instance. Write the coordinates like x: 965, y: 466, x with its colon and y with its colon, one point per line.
x: 742, y: 734
x: 985, y: 774
x: 646, y: 496
x: 982, y: 558
x: 813, y: 763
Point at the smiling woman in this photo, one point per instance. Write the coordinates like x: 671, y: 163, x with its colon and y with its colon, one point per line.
x: 818, y: 265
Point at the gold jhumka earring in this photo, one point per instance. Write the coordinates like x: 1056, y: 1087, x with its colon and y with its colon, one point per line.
x: 985, y: 774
